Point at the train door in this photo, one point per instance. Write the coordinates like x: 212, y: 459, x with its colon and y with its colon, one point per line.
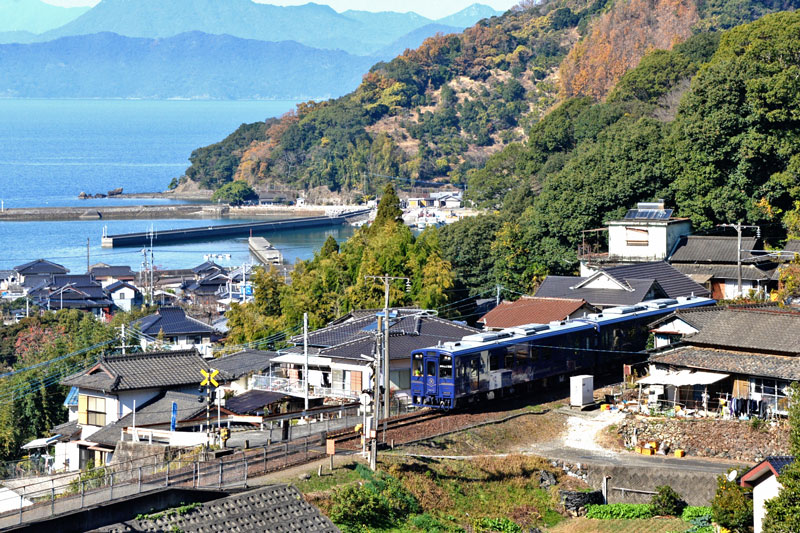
x: 431, y: 374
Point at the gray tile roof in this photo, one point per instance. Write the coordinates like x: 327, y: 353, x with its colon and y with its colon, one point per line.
x: 671, y: 280
x: 172, y: 321
x: 142, y: 371
x: 780, y: 462
x: 269, y: 509
x: 697, y: 317
x: 729, y: 362
x: 111, y: 271
x: 40, y: 266
x: 749, y: 272
x: 408, y: 334
x: 562, y: 287
x: 792, y: 245
x: 710, y: 249
x: 155, y: 413
x: 760, y: 330
x: 244, y: 362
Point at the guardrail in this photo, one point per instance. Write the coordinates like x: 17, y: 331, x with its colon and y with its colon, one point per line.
x: 102, y: 485
x: 297, y: 387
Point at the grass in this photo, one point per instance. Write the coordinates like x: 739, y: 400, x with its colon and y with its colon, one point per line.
x: 655, y: 525
x: 341, y: 475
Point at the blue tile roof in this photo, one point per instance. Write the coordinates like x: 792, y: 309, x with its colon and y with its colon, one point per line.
x: 72, y: 397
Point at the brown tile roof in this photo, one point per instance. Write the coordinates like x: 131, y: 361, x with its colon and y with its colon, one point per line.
x: 530, y: 310
x: 750, y: 364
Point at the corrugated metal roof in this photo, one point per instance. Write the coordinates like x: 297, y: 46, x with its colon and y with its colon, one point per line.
x: 252, y: 401
x: 562, y: 287
x: 670, y: 279
x: 242, y: 363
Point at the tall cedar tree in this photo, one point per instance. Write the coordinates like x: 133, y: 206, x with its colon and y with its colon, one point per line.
x: 388, y: 208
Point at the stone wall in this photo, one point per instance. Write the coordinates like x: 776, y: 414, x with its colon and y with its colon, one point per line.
x: 734, y: 440
x: 696, y: 488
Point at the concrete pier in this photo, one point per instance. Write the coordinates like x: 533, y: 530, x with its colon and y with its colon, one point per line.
x: 114, y: 212
x: 263, y: 250
x: 223, y: 231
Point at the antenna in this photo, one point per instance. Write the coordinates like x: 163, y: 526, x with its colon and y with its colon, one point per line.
x: 732, y: 475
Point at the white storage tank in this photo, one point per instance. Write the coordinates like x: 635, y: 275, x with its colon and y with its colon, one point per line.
x: 581, y: 391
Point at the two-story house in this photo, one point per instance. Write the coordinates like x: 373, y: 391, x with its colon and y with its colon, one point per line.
x: 114, y: 387
x: 171, y: 325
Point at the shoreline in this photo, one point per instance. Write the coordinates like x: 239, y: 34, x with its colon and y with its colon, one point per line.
x: 175, y: 211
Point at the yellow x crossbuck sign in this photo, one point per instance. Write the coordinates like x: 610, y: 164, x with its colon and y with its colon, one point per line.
x: 209, y: 377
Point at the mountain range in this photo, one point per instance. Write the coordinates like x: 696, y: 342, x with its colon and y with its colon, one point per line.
x: 314, y: 25
x: 34, y: 16
x: 188, y: 65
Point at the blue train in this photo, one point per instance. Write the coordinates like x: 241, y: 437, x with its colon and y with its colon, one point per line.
x: 487, y: 365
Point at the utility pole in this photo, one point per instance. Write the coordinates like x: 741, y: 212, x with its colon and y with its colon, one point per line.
x: 376, y: 395
x: 497, y: 297
x: 305, y: 353
x: 738, y: 227
x: 87, y: 255
x: 386, y: 278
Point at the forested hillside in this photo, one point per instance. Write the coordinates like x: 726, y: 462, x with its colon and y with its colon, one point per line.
x: 437, y: 113
x: 711, y: 126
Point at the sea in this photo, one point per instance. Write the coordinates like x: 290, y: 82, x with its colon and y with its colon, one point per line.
x: 52, y: 150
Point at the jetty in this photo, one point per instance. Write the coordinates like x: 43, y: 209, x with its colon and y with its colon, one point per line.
x: 208, y: 233
x: 264, y: 252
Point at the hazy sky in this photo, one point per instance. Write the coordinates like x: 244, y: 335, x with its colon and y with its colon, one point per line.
x: 429, y: 8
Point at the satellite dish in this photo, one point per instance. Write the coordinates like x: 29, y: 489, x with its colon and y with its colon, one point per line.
x: 732, y: 475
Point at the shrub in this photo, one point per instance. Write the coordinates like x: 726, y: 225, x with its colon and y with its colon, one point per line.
x: 667, y: 502
x: 500, y: 525
x: 379, y: 502
x: 620, y: 511
x: 732, y: 508
x: 690, y: 512
x: 429, y: 524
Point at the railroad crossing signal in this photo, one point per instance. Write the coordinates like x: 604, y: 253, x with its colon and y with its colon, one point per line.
x: 209, y: 377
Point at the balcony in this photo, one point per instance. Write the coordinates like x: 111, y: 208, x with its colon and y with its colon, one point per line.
x: 297, y: 387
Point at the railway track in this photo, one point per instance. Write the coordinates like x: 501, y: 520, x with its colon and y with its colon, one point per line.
x: 392, y: 423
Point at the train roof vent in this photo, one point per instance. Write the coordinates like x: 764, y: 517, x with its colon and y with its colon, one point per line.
x: 594, y: 316
x: 486, y: 337
x: 624, y: 310
x: 555, y: 323
x: 529, y: 329
x: 661, y: 303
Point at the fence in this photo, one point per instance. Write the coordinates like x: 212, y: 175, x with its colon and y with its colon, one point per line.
x: 297, y: 387
x: 101, y: 485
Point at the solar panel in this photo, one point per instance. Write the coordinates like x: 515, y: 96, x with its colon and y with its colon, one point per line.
x: 648, y: 214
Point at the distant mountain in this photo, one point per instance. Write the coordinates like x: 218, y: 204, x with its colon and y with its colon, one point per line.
x: 189, y: 65
x: 469, y: 16
x: 314, y: 25
x: 35, y: 16
x: 413, y: 39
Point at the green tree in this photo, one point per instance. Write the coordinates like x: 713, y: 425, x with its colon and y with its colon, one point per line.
x: 389, y: 210
x: 234, y: 193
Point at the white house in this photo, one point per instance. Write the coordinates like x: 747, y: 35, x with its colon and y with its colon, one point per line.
x: 124, y: 295
x: 111, y: 389
x: 181, y: 331
x: 647, y: 233
x: 764, y: 480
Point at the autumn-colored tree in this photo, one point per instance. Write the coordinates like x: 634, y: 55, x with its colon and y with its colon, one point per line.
x: 619, y: 39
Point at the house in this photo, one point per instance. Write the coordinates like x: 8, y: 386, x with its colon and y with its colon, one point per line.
x: 684, y: 322
x: 711, y: 260
x: 764, y: 480
x: 38, y: 270
x: 754, y: 352
x: 622, y: 285
x: 646, y: 234
x: 108, y: 274
x: 240, y: 368
x: 208, y: 289
x: 340, y: 355
x: 530, y: 310
x: 112, y: 388
x: 64, y: 291
x: 420, y: 201
x: 206, y: 268
x: 177, y: 329
x: 124, y: 295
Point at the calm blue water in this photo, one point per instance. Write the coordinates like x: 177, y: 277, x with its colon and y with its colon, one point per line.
x: 51, y: 150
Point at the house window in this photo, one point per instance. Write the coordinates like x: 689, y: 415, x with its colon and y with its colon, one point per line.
x: 772, y: 391
x: 91, y: 410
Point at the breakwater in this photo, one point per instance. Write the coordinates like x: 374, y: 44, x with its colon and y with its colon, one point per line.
x: 224, y: 231
x: 114, y: 212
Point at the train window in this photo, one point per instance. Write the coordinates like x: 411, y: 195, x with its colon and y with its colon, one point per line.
x: 493, y: 363
x: 431, y: 368
x: 446, y: 367
x: 416, y: 369
x: 521, y: 353
x: 509, y: 362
